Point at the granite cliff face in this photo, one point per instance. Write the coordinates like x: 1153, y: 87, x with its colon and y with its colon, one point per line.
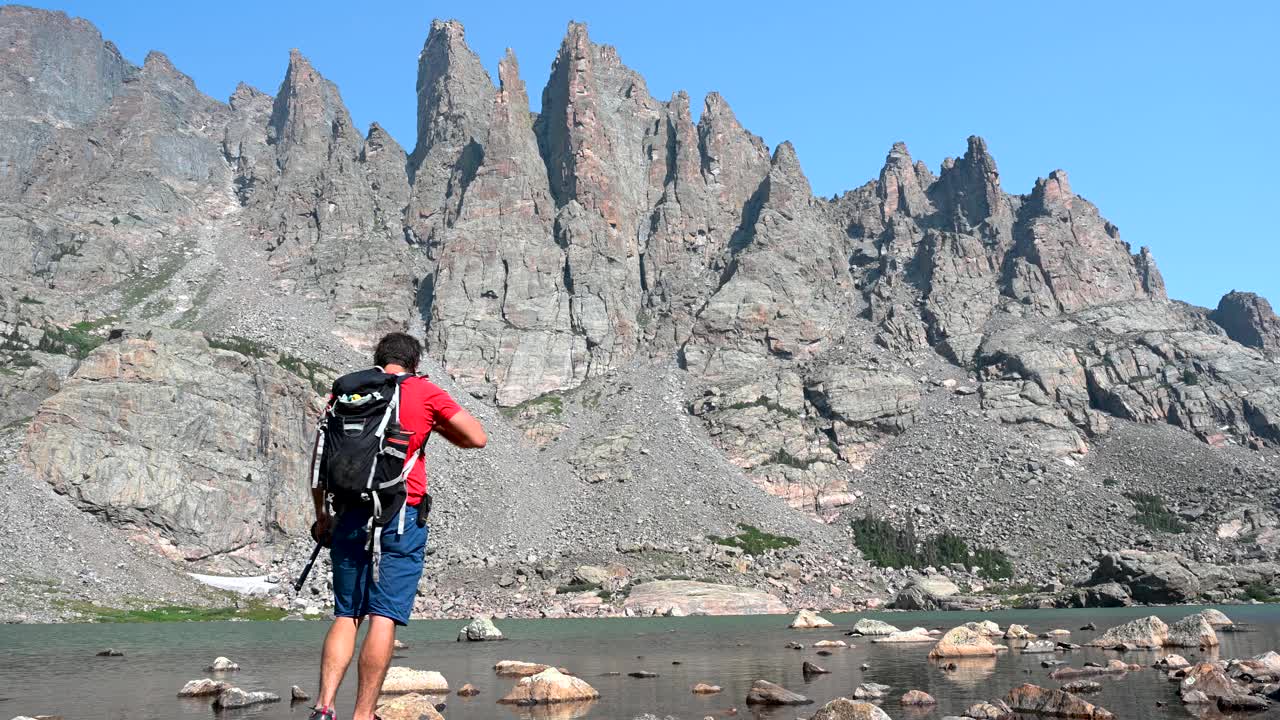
x: 808, y: 345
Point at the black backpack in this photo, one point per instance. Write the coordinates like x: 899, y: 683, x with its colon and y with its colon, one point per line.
x: 361, y: 457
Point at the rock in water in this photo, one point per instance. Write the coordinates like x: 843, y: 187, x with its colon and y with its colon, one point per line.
x: 1148, y: 633
x: 1040, y: 646
x: 110, y: 652
x: 297, y: 694
x: 917, y: 698
x: 549, y: 686
x: 764, y: 692
x: 914, y: 635
x: 1113, y: 667
x: 411, y: 706
x: 222, y: 664
x: 234, y: 697
x: 809, y: 668
x: 867, y: 626
x: 1216, y: 618
x: 808, y: 619
x: 705, y: 689
x: 1172, y: 662
x: 468, y: 690
x: 846, y: 709
x: 1035, y: 700
x: 1149, y: 577
x: 1192, y: 631
x: 963, y: 642
x: 480, y: 629
x: 517, y: 668
x: 1082, y: 686
x: 925, y: 593
x: 408, y: 680
x: 203, y: 688
x: 1017, y: 632
x: 871, y: 691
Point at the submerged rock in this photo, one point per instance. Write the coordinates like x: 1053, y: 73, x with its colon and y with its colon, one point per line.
x: 468, y: 690
x: 297, y: 694
x: 518, y: 668
x: 222, y: 664
x: 234, y: 697
x: 110, y: 652
x: 1036, y: 700
x: 846, y: 709
x: 764, y: 692
x: 705, y: 689
x: 411, y: 706
x: 914, y: 635
x: 871, y: 691
x: 917, y: 698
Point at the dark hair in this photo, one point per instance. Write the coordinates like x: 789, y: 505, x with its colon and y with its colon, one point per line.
x: 398, y: 349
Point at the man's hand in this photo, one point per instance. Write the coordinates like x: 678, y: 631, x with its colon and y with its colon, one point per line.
x: 322, y: 529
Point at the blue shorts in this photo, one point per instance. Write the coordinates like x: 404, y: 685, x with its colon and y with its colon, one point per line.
x: 355, y: 594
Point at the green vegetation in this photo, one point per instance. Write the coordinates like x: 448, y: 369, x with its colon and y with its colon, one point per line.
x: 237, y: 344
x: 754, y: 541
x: 318, y: 375
x: 1260, y: 591
x: 1153, y: 515
x: 782, y: 457
x: 765, y: 403
x: 28, y: 300
x: 137, y: 289
x: 577, y: 588
x: 886, y: 546
x: 76, y: 341
x: 1110, y: 482
x: 551, y: 403
x: 254, y: 610
x: 1189, y: 377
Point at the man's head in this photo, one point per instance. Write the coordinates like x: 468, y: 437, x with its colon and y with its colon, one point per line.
x: 398, y: 349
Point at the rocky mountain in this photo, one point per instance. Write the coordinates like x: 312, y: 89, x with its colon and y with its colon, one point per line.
x: 668, y: 333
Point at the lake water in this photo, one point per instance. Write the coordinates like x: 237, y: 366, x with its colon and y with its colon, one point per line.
x: 52, y: 669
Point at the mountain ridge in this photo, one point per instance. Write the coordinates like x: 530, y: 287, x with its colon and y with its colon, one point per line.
x: 623, y: 292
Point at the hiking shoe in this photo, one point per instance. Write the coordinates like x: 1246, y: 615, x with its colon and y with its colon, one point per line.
x: 319, y: 713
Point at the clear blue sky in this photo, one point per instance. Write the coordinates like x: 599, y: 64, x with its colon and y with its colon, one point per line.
x: 1166, y: 115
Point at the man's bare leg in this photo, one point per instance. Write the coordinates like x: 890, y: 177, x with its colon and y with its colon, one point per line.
x: 375, y: 658
x: 339, y: 646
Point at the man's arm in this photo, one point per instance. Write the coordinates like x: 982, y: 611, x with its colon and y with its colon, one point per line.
x: 463, y: 430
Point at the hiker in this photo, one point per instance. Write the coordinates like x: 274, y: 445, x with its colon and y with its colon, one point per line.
x: 369, y: 485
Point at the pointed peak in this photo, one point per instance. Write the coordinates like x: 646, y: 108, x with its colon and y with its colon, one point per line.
x: 978, y: 155
x: 158, y: 61
x: 716, y: 109
x: 680, y: 102
x: 446, y: 35
x: 451, y: 29
x: 786, y: 163
x: 899, y: 156
x: 577, y: 32
x: 296, y: 58
x: 1053, y: 190
x: 509, y: 70
x: 379, y: 140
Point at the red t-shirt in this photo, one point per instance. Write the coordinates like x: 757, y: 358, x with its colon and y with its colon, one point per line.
x: 423, y: 407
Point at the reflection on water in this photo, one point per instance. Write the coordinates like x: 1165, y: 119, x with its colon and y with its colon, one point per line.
x: 53, y: 670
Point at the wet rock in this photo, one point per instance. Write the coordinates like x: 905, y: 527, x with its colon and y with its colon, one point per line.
x: 1040, y: 646
x: 1172, y: 662
x: 408, y: 680
x: 410, y: 706
x: 808, y: 619
x: 234, y: 697
x: 1191, y: 631
x: 917, y: 698
x: 517, y: 668
x: 963, y: 642
x: 831, y: 644
x: 764, y: 692
x: 1082, y: 686
x: 871, y: 691
x: 867, y: 626
x: 203, y: 688
x: 809, y: 668
x: 1036, y: 700
x: 297, y: 694
x: 1150, y: 633
x: 914, y: 635
x: 110, y: 652
x: 847, y: 709
x: 995, y: 710
x: 1113, y: 667
x: 479, y: 630
x: 1017, y: 632
x: 468, y: 690
x: 642, y: 674
x: 223, y: 664
x: 549, y: 686
x: 705, y: 689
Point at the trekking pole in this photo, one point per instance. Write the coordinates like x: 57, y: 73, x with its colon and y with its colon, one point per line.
x: 306, y: 570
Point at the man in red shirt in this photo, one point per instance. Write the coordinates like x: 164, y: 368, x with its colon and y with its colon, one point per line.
x: 386, y: 602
